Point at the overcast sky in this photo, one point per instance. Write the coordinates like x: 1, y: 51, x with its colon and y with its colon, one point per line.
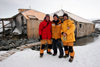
x: 85, y: 8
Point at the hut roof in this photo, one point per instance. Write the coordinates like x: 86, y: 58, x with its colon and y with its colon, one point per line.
x: 73, y: 16
x: 5, y: 19
x: 35, y: 13
x: 31, y: 12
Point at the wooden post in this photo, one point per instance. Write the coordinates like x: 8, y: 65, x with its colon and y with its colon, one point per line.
x: 3, y: 27
x: 11, y: 21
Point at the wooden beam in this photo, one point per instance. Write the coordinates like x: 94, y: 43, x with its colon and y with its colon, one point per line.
x: 3, y: 27
x: 28, y: 46
x: 11, y: 25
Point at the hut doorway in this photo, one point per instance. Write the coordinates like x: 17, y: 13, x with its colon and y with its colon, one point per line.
x: 33, y: 27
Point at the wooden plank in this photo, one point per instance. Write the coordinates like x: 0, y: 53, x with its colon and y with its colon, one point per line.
x: 7, y: 54
x: 3, y: 27
x: 29, y: 29
x: 35, y: 29
x: 8, y: 27
x: 11, y: 25
x: 28, y: 46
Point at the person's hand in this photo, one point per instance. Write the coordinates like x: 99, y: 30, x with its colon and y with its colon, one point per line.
x: 64, y: 34
x: 40, y: 38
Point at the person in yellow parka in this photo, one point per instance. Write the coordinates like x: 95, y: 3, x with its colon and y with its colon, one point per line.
x: 68, y: 36
x: 56, y: 35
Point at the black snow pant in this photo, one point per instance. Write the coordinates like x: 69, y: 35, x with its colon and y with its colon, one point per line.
x: 57, y: 43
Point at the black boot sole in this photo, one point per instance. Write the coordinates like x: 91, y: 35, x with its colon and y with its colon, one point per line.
x: 54, y: 54
x: 49, y: 53
x: 71, y: 60
x: 60, y: 56
x: 41, y: 55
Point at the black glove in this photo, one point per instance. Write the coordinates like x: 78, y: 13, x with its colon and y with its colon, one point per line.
x: 62, y: 33
x: 40, y: 38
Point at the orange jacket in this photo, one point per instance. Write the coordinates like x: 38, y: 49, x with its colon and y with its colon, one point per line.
x: 56, y: 29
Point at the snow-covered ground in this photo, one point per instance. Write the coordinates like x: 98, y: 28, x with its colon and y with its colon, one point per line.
x: 2, y: 52
x: 97, y: 26
x: 85, y: 56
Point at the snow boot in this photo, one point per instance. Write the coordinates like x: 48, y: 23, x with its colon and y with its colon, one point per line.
x: 49, y: 53
x: 60, y: 56
x: 67, y: 55
x: 41, y: 55
x: 71, y: 59
x: 54, y: 54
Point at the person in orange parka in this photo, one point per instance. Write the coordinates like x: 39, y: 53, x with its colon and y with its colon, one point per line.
x: 45, y: 35
x: 68, y: 36
x: 56, y: 36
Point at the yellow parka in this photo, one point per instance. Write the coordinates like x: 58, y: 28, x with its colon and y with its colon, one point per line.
x: 68, y: 27
x: 56, y: 30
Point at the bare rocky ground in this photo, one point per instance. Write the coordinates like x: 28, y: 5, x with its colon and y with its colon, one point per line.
x: 10, y: 42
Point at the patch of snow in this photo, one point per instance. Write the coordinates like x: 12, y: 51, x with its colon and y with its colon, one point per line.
x: 5, y: 22
x: 85, y: 56
x: 1, y: 52
x: 17, y: 31
x: 97, y: 26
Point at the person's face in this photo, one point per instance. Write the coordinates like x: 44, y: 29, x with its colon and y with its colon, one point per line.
x: 55, y: 18
x: 47, y: 18
x: 65, y: 17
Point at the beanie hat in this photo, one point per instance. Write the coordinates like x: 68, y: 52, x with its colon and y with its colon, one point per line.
x: 55, y: 15
x: 47, y: 15
x: 65, y: 15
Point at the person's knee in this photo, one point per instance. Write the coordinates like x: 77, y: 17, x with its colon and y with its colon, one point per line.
x: 49, y: 41
x: 43, y: 41
x: 50, y: 46
x: 66, y: 48
x: 70, y: 49
x: 43, y: 46
x: 59, y: 44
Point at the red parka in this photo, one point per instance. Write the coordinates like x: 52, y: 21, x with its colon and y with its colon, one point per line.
x: 45, y: 29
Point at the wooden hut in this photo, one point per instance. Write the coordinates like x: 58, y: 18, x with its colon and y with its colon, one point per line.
x: 27, y: 22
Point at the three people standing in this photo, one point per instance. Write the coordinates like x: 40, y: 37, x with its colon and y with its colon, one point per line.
x: 58, y: 32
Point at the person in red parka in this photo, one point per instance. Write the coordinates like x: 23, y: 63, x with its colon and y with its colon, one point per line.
x: 45, y: 35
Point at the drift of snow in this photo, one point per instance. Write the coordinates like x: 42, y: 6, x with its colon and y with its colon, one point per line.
x: 17, y: 31
x: 85, y: 56
x: 2, y: 52
x: 5, y: 22
x: 97, y: 26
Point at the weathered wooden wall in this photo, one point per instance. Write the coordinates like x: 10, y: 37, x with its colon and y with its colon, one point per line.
x: 33, y: 28
x: 84, y: 29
